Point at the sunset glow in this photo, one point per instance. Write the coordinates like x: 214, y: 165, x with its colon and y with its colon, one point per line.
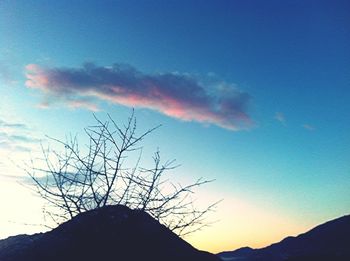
x: 252, y: 94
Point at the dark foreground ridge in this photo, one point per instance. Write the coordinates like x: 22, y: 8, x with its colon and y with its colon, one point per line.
x: 327, y: 242
x: 110, y: 233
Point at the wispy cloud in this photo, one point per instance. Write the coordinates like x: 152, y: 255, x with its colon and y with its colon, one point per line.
x: 6, y: 74
x: 18, y: 143
x: 13, y: 147
x: 81, y: 103
x: 180, y: 96
x: 15, y: 137
x: 279, y: 116
x: 16, y: 125
x: 308, y: 127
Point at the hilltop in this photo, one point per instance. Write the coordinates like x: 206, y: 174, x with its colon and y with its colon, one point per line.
x: 329, y: 241
x: 108, y: 233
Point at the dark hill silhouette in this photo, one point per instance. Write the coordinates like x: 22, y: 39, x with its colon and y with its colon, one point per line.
x: 329, y: 241
x: 109, y: 233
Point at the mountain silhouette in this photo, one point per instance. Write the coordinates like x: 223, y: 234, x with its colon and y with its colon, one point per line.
x: 329, y: 241
x: 109, y: 233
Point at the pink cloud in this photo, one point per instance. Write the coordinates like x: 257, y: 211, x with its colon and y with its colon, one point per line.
x: 176, y: 95
x: 36, y: 77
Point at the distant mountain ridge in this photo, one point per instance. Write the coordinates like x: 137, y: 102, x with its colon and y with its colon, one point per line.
x: 110, y: 233
x: 329, y: 241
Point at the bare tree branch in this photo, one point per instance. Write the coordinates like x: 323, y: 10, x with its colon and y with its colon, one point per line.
x: 75, y: 181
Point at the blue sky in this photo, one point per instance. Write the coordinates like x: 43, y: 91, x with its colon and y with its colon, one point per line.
x: 252, y: 93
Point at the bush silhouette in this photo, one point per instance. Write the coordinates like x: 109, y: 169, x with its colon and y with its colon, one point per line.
x: 75, y: 180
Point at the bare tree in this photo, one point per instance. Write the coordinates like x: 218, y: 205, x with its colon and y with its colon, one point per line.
x: 77, y: 180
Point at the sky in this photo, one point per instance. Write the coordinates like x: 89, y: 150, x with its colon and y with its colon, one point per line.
x: 253, y: 94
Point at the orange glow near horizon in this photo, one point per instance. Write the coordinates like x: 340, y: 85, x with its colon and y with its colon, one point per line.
x: 242, y: 224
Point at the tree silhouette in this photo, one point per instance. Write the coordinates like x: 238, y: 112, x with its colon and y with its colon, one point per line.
x: 78, y: 180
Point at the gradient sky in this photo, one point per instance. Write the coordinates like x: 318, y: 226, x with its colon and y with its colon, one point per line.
x: 255, y: 94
